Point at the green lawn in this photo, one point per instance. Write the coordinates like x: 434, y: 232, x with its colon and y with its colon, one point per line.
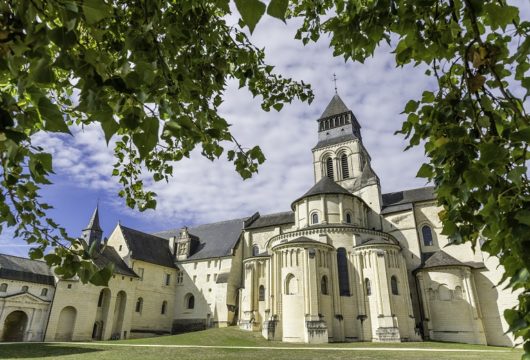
x: 236, y: 337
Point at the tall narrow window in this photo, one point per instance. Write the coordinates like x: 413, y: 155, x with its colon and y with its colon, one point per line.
x: 329, y: 168
x: 261, y: 292
x: 168, y: 279
x: 139, y: 305
x: 342, y: 265
x: 180, y: 277
x: 324, y: 285
x: 164, y: 308
x: 394, y: 285
x: 344, y: 164
x: 348, y: 218
x: 190, y: 301
x: 314, y: 218
x: 427, y: 235
x: 101, y: 297
x: 368, y: 287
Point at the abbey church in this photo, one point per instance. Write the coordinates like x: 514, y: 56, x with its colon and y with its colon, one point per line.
x: 344, y: 263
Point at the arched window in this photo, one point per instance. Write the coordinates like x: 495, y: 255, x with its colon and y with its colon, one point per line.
x: 255, y: 250
x: 190, y: 301
x: 314, y: 218
x: 261, y: 295
x: 342, y: 267
x: 24, y: 288
x: 329, y: 168
x: 368, y: 287
x: 426, y: 232
x: 44, y: 292
x: 394, y: 285
x: 344, y: 165
x: 139, y: 305
x: 100, y: 299
x: 3, y: 287
x: 324, y: 285
x: 348, y: 218
x: 291, y: 285
x: 164, y: 308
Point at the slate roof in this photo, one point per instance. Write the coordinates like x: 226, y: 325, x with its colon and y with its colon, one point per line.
x: 110, y: 255
x: 403, y: 200
x: 334, y: 140
x: 22, y: 269
x: 215, y: 240
x: 275, y: 219
x: 336, y: 106
x: 441, y: 258
x: 93, y: 224
x: 147, y: 247
x: 222, y: 278
x: 323, y: 186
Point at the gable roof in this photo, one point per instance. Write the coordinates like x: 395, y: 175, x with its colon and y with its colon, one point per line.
x: 215, y: 240
x: 110, y: 255
x: 323, y: 186
x: 403, y: 200
x: 147, y: 247
x: 336, y: 106
x: 275, y: 219
x: 25, y: 293
x: 22, y: 269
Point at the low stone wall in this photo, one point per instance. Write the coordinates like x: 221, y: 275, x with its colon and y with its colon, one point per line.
x: 187, y: 325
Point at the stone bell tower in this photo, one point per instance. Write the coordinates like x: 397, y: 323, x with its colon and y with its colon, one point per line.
x: 341, y: 155
x: 93, y: 231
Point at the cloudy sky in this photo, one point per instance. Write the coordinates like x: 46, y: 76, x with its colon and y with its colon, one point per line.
x: 203, y: 191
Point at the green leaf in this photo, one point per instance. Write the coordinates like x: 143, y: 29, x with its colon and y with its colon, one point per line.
x: 95, y: 11
x: 147, y: 139
x: 102, y: 276
x: 523, y: 216
x: 53, y: 118
x: 251, y: 12
x: 500, y: 16
x: 278, y: 8
x: 426, y: 171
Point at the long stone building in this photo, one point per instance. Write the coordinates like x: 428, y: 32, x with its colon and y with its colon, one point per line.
x: 345, y: 263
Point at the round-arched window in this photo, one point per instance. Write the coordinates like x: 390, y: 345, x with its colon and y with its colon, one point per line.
x: 190, y: 301
x: 426, y: 233
x: 314, y: 218
x: 324, y: 285
x: 255, y: 250
x: 344, y: 166
x: 329, y: 168
x: 394, y: 285
x: 368, y: 287
x: 348, y: 218
x: 261, y: 293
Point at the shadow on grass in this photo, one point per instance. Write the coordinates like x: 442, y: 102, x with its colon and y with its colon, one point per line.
x: 39, y: 351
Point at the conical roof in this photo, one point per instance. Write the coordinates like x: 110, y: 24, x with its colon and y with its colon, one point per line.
x: 336, y: 106
x: 323, y: 186
x: 93, y: 224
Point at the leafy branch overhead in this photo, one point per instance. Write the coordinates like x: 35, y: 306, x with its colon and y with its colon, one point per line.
x: 152, y: 74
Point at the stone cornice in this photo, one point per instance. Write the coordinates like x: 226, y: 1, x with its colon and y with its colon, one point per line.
x: 326, y: 229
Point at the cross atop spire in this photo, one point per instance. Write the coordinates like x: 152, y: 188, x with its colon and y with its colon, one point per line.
x: 335, y: 81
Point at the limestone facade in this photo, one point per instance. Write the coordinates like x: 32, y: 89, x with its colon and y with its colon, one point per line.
x: 346, y: 263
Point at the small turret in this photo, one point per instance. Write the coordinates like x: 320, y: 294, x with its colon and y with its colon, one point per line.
x: 93, y: 231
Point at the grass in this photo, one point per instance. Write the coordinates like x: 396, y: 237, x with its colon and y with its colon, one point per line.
x: 236, y: 337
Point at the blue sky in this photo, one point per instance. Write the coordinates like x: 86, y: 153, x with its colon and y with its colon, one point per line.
x: 202, y: 191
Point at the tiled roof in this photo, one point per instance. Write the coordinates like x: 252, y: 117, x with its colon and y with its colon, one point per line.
x: 215, y: 240
x: 275, y: 219
x: 22, y: 269
x: 147, y: 247
x: 441, y: 258
x: 109, y: 255
x: 334, y: 140
x: 403, y: 200
x: 323, y: 186
x: 336, y: 106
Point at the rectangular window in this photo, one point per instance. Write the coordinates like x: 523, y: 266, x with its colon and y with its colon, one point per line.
x: 209, y: 263
x: 194, y: 278
x: 140, y: 273
x: 168, y: 279
x: 194, y: 266
x: 180, y: 277
x: 207, y: 277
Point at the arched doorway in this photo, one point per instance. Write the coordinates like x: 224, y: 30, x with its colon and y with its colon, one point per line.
x: 66, y: 324
x: 15, y: 326
x: 119, y: 313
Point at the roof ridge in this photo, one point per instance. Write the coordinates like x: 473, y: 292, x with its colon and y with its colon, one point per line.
x: 200, y: 225
x: 417, y: 188
x: 24, y: 258
x: 142, y: 232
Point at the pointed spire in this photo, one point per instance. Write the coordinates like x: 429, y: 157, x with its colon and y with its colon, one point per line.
x: 336, y: 106
x: 93, y: 224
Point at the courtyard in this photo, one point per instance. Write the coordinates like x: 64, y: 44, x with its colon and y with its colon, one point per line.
x: 230, y: 343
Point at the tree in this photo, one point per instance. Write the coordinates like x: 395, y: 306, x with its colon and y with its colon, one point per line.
x: 151, y: 73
